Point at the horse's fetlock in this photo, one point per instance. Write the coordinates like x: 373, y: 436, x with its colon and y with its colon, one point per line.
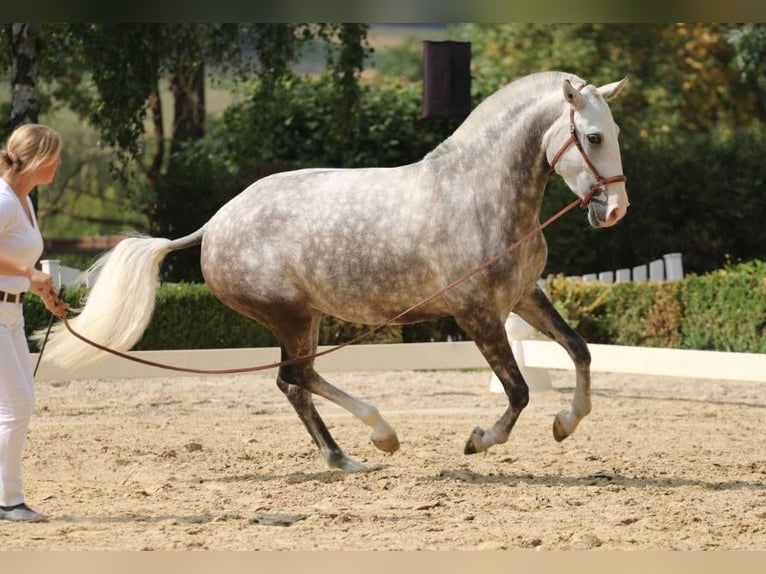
x: 369, y: 415
x: 582, y: 411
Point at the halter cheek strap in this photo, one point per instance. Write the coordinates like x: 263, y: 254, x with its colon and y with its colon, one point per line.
x: 601, y: 182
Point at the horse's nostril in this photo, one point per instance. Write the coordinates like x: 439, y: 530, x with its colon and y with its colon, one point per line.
x: 612, y: 216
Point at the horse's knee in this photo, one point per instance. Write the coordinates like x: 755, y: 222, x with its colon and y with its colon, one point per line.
x: 282, y: 385
x: 294, y: 392
x: 579, y: 351
x: 517, y: 392
x: 519, y: 396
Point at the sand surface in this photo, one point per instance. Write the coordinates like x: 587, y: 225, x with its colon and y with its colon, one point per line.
x: 223, y: 463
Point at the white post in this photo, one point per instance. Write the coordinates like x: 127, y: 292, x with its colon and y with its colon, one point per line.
x: 657, y: 270
x: 53, y: 268
x: 606, y: 276
x: 639, y: 273
x: 674, y: 267
x: 623, y: 276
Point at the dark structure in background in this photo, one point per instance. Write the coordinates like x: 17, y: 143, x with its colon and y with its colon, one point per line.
x: 446, y: 79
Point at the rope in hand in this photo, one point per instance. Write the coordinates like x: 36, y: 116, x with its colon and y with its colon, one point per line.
x: 581, y: 202
x: 48, y: 331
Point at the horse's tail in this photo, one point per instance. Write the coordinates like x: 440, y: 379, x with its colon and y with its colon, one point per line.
x: 120, y: 303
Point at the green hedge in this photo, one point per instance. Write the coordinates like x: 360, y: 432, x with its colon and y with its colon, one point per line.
x: 724, y: 310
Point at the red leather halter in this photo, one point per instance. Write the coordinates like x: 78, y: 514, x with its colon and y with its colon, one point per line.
x: 601, y: 181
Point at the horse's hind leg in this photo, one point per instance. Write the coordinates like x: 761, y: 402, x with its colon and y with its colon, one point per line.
x: 383, y: 435
x: 303, y: 404
x: 299, y: 338
x: 537, y: 310
x: 489, y: 336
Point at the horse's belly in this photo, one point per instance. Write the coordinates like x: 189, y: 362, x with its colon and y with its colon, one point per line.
x: 380, y: 305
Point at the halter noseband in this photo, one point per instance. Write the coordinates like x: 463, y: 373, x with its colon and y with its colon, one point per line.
x: 601, y: 182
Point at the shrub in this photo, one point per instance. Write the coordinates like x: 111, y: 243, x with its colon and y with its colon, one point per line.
x: 582, y: 305
x: 643, y: 314
x: 726, y: 310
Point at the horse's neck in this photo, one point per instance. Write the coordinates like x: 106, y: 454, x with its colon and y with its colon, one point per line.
x: 511, y: 165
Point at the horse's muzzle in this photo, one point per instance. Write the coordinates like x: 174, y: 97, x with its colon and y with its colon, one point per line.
x: 605, y: 210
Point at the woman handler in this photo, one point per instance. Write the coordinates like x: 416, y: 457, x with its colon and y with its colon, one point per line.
x: 31, y: 157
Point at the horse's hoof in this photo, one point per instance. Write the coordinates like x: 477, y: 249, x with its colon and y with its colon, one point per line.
x: 473, y: 445
x: 559, y: 430
x: 344, y: 463
x: 389, y: 444
x: 353, y: 466
x: 350, y: 465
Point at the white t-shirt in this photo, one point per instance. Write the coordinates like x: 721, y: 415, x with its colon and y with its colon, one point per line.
x: 19, y: 239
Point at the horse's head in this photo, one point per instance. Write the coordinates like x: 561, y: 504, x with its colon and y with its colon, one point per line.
x: 582, y: 148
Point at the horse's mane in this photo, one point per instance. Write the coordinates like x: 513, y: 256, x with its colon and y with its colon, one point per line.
x: 527, y: 89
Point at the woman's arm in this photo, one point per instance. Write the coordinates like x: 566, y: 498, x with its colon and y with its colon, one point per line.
x: 15, y: 268
x: 40, y: 283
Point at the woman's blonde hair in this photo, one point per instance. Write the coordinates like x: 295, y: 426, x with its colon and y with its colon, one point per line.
x: 29, y: 146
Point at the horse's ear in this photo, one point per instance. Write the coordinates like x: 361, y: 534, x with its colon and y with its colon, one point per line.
x: 611, y: 91
x: 573, y: 95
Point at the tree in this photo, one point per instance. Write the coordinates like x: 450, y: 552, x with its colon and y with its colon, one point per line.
x: 749, y: 42
x: 192, y: 189
x: 24, y: 47
x: 186, y: 193
x: 681, y: 75
x: 111, y: 74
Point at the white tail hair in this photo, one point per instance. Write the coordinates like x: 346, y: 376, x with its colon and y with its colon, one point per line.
x: 118, y: 307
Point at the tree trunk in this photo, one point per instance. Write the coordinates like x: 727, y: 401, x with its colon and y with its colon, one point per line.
x: 24, y: 47
x: 155, y: 105
x: 188, y: 87
x: 25, y: 105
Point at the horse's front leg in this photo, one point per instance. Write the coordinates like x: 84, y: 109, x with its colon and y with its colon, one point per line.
x: 490, y: 337
x: 537, y: 310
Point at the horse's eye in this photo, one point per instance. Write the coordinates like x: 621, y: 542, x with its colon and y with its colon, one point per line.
x: 594, y: 138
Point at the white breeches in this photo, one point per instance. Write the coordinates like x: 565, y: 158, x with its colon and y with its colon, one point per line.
x: 17, y: 397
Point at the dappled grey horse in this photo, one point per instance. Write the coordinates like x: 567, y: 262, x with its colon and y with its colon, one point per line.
x: 365, y: 244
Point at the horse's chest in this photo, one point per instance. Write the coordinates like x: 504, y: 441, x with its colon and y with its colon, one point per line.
x: 518, y: 271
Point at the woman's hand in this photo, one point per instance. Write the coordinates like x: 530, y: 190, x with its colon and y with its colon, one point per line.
x: 55, y: 305
x: 40, y: 283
